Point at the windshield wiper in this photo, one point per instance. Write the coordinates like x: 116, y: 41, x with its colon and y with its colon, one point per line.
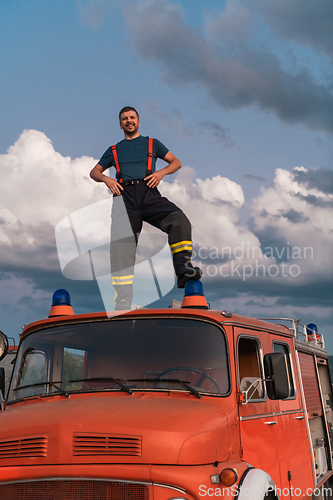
x: 53, y: 384
x: 104, y: 379
x: 181, y: 382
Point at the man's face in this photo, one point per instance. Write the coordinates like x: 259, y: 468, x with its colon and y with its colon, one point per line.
x: 129, y: 122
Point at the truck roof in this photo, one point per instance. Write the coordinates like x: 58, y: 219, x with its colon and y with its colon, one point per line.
x: 203, y: 314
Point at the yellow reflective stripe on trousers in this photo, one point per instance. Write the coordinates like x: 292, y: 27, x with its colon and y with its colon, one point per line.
x: 181, y: 249
x: 181, y: 243
x: 122, y: 280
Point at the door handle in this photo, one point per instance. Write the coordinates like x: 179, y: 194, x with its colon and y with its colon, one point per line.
x: 272, y: 422
x: 299, y: 418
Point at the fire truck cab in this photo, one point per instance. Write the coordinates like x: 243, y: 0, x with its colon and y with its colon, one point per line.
x: 166, y: 404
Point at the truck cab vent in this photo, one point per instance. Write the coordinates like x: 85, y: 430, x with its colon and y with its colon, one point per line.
x: 110, y: 444
x: 24, y: 447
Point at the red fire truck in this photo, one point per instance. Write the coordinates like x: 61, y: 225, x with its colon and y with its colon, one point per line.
x: 166, y: 404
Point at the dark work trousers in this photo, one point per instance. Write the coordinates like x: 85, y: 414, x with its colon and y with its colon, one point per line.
x: 137, y: 204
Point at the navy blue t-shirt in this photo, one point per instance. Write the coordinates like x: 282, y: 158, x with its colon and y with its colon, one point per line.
x: 133, y: 157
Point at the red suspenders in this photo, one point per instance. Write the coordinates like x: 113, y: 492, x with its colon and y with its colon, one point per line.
x: 115, y: 156
x: 150, y: 155
x: 150, y: 159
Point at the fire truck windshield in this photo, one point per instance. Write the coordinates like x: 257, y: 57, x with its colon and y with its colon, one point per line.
x: 153, y: 354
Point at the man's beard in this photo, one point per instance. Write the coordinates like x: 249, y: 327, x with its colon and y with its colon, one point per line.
x: 132, y: 132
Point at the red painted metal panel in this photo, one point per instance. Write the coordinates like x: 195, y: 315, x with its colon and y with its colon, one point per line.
x: 310, y: 384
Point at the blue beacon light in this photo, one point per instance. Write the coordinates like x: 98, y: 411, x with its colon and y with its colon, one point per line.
x: 61, y: 304
x: 193, y: 287
x: 313, y: 334
x: 193, y: 296
x: 61, y: 297
x: 310, y: 328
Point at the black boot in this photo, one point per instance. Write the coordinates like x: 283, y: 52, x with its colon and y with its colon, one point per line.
x: 122, y: 305
x: 192, y: 273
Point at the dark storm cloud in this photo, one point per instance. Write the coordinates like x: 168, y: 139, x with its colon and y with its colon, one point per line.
x: 309, y: 22
x: 315, y: 293
x: 294, y: 216
x: 38, y: 264
x: 271, y: 241
x: 28, y: 258
x: 320, y: 178
x: 236, y: 75
x: 316, y: 201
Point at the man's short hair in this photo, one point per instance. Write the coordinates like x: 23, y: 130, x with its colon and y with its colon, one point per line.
x: 128, y: 108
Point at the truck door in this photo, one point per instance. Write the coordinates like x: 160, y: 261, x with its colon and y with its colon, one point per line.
x: 258, y: 416
x: 294, y: 449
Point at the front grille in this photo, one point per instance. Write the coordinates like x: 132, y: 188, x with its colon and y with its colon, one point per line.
x: 24, y: 447
x: 98, y: 444
x: 73, y: 490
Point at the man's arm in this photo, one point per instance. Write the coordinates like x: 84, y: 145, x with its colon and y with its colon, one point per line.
x: 173, y: 165
x: 97, y: 175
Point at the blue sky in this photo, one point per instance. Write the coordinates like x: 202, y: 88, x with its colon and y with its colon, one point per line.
x: 240, y: 91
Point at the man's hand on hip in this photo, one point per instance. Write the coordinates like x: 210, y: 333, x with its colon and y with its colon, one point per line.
x: 113, y: 185
x: 154, y: 179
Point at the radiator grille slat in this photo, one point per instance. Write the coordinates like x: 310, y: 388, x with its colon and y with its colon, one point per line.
x: 24, y: 447
x: 74, y: 490
x: 97, y: 444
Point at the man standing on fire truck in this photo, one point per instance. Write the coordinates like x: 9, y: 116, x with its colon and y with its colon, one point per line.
x: 137, y: 198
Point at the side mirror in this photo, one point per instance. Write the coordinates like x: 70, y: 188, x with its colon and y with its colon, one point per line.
x: 276, y: 375
x: 3, y: 345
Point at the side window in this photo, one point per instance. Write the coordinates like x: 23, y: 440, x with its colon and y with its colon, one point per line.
x: 33, y: 369
x: 250, y: 368
x: 284, y: 349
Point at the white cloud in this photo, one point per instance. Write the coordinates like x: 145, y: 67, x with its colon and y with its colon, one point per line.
x: 212, y: 207
x: 40, y: 185
x: 221, y: 189
x: 301, y: 215
x: 42, y: 188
